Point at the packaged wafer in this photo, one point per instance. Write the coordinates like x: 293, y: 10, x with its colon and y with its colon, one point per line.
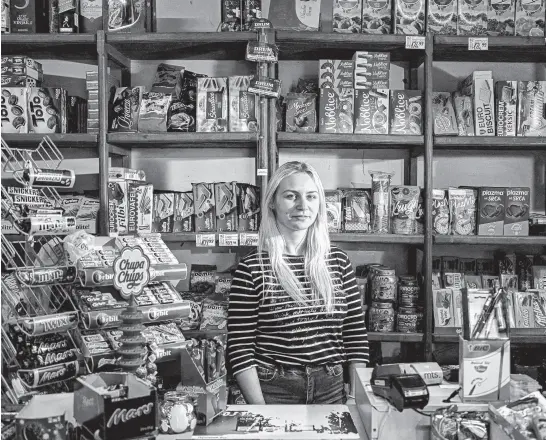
x: 212, y: 105
x: 462, y: 207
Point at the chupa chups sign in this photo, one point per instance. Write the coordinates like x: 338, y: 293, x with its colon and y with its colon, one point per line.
x: 131, y: 272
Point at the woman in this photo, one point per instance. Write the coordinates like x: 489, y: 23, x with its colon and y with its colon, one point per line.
x: 295, y: 315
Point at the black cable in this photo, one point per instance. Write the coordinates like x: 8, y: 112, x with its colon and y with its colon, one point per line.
x: 421, y: 412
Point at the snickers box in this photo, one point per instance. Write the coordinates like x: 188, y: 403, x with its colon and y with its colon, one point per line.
x: 479, y: 86
x: 14, y: 110
x: 205, y: 209
x: 47, y: 110
x: 336, y: 73
x: 371, y: 111
x: 516, y: 219
x: 347, y: 16
x: 377, y: 16
x: 406, y: 112
x: 491, y: 211
x: 29, y: 16
x: 163, y: 212
x: 225, y: 194
x: 336, y: 110
x: 506, y: 98
x: 184, y: 212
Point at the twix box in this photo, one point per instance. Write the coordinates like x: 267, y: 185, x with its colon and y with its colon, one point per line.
x: 336, y: 110
x: 491, y: 211
x: 516, y: 219
x: 377, y: 16
x: 472, y: 18
x: 372, y: 111
x: 506, y: 99
x: 479, y: 86
x: 442, y: 17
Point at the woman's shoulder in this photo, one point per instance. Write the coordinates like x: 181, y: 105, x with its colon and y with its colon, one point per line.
x: 338, y: 253
x: 253, y: 256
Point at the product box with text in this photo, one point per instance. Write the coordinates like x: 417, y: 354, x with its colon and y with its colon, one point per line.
x: 226, y: 206
x: 14, y: 110
x: 336, y: 73
x: 333, y: 209
x: 163, y: 212
x: 90, y: 18
x: 530, y: 18
x: 212, y: 105
x: 442, y: 17
x: 406, y: 112
x: 205, y: 207
x: 140, y: 207
x: 29, y: 16
x: 248, y: 207
x: 500, y: 17
x: 491, y: 211
x: 506, y: 109
x: 243, y: 106
x: 184, y: 214
x: 409, y: 16
x: 377, y: 16
x: 295, y: 15
x: 47, y: 110
x: 336, y: 110
x: 516, y: 219
x: 443, y: 112
x: 347, y: 16
x: 480, y: 87
x: 472, y: 18
x: 531, y: 108
x: 372, y: 111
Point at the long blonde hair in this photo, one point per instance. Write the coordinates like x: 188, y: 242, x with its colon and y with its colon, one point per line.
x: 317, y: 243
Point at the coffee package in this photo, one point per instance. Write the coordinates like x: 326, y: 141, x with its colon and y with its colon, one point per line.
x: 232, y: 20
x: 47, y: 110
x: 163, y: 212
x: 127, y: 16
x: 357, y: 210
x: 90, y: 16
x: 500, y: 17
x: 462, y: 208
x: 530, y: 18
x: 225, y: 194
x: 531, y: 108
x: 372, y: 111
x: 301, y: 113
x: 347, y: 16
x: 14, y: 110
x: 152, y: 117
x: 464, y: 113
x: 205, y: 209
x: 336, y: 111
x: 377, y: 16
x: 295, y: 15
x: 212, y: 105
x: 29, y: 16
x: 442, y: 17
x: 406, y: 112
x: 491, y: 211
x: 248, y: 207
x: 184, y: 212
x: 252, y: 10
x: 516, y: 219
x: 445, y: 122
x: 472, y: 18
x: 506, y: 99
x: 333, y: 210
x: 479, y: 86
x: 243, y: 106
x: 336, y: 73
x: 123, y: 109
x: 409, y: 17
x: 183, y: 110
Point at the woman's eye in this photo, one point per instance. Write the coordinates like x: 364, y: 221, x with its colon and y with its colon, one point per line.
x: 290, y: 196
x: 312, y: 197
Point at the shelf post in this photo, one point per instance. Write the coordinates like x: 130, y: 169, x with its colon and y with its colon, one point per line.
x: 103, y: 130
x: 273, y: 152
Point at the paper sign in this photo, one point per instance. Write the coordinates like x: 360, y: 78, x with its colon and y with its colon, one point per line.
x: 205, y: 240
x: 262, y: 172
x: 248, y: 239
x: 229, y: 240
x: 478, y: 43
x: 415, y: 42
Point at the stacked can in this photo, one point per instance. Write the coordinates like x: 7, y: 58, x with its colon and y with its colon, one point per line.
x: 383, y: 294
x: 410, y: 314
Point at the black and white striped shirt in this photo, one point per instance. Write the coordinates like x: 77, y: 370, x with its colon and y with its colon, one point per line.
x: 265, y: 325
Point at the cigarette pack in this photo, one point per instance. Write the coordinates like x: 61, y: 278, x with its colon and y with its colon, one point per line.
x: 212, y: 104
x: 377, y: 16
x: 184, y: 212
x: 530, y: 18
x: 464, y: 114
x: 14, y: 110
x: 333, y: 210
x: 409, y: 17
x: 372, y: 111
x: 445, y: 122
x: 163, y: 212
x: 140, y: 207
x: 516, y: 219
x: 243, y: 105
x: 248, y: 207
x: 531, y: 108
x: 491, y: 211
x: 479, y: 85
x: 440, y: 212
x: 205, y: 209
x: 336, y: 73
x: 472, y: 18
x: 500, y: 17
x: 462, y: 207
x: 357, y: 210
x: 506, y: 98
x: 406, y: 112
x: 347, y: 16
x: 29, y: 16
x: 295, y: 15
x: 226, y: 206
x: 442, y: 17
x: 336, y: 110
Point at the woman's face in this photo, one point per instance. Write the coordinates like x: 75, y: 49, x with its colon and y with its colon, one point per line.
x: 296, y: 202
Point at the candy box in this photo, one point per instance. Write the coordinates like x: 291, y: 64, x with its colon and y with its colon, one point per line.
x: 347, y: 16
x: 372, y: 111
x: 464, y: 113
x: 406, y: 112
x: 163, y: 212
x: 516, y: 220
x: 445, y: 122
x: 140, y: 207
x: 205, y: 209
x: 29, y: 16
x: 47, y: 110
x: 472, y: 17
x: 333, y: 210
x: 301, y: 113
x: 296, y: 15
x: 44, y: 417
x: 531, y: 108
x: 123, y: 109
x: 500, y: 17
x: 479, y: 86
x: 336, y: 73
x: 117, y: 206
x: 491, y: 211
x: 442, y: 17
x: 409, y: 17
x: 248, y: 207
x: 506, y: 98
x: 356, y: 210
x: 90, y: 16
x: 226, y: 206
x: 377, y: 16
x: 243, y: 106
x: 184, y: 213
x: 530, y: 18
x: 462, y: 207
x: 14, y: 110
x: 336, y: 110
x: 212, y: 104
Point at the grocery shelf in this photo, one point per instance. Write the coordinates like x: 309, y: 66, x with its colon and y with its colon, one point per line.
x: 347, y: 141
x: 479, y: 143
x: 69, y: 47
x: 395, y: 337
x: 490, y: 240
x: 72, y: 140
x: 183, y: 140
x: 508, y: 49
x: 514, y: 339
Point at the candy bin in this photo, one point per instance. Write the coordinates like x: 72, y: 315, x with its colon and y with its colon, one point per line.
x: 177, y: 413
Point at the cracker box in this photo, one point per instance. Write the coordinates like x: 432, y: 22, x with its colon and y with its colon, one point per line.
x: 347, y: 16
x: 296, y: 15
x: 14, y: 110
x: 184, y: 213
x: 462, y: 208
x: 225, y: 194
x: 336, y: 73
x: 123, y: 109
x: 500, y: 17
x: 29, y: 16
x: 243, y: 106
x: 442, y: 17
x: 530, y: 18
x: 479, y: 85
x: 212, y: 105
x: 409, y: 17
x: 406, y: 112
x: 47, y: 110
x: 205, y: 209
x: 444, y: 312
x: 506, y: 98
x: 491, y: 211
x: 357, y: 210
x: 90, y: 16
x: 333, y: 209
x: 516, y: 219
x: 163, y: 212
x: 464, y: 113
x: 336, y: 110
x: 140, y: 207
x: 248, y: 207
x: 531, y: 108
x: 376, y: 16
x: 445, y: 122
x: 440, y: 212
x: 472, y: 18
x: 372, y: 111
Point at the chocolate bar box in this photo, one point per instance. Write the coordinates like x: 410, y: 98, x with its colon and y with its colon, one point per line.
x: 491, y: 211
x: 372, y: 111
x: 336, y: 110
x: 406, y: 112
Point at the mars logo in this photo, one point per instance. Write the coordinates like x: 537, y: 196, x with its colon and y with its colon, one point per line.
x: 131, y: 272
x: 484, y: 348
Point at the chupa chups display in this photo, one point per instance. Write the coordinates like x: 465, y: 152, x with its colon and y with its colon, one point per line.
x: 404, y: 201
x: 295, y: 15
x: 445, y: 122
x: 506, y: 98
x: 347, y: 16
x: 90, y: 16
x: 336, y: 73
x: 336, y: 110
x: 163, y: 212
x: 442, y: 17
x: 479, y: 86
x: 205, y: 209
x: 333, y: 210
x: 29, y: 17
x: 516, y: 220
x: 464, y: 113
x: 531, y: 103
x: 212, y: 104
x: 530, y: 18
x: 47, y: 110
x: 472, y: 17
x: 140, y: 198
x: 243, y: 106
x: 500, y: 17
x: 301, y: 113
x: 462, y: 208
x: 409, y: 16
x: 226, y: 206
x: 357, y: 210
x: 376, y: 16
x: 232, y: 15
x: 14, y: 110
x: 252, y: 10
x: 406, y: 112
x: 248, y: 207
x: 184, y: 213
x: 371, y: 111
x: 123, y: 109
x: 152, y: 117
x: 491, y: 211
x: 127, y: 16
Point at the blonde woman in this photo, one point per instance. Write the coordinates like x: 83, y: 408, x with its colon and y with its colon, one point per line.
x: 295, y: 316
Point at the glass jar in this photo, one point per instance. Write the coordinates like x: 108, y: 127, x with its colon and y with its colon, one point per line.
x: 409, y: 319
x: 408, y: 291
x: 384, y: 285
x: 381, y: 317
x: 177, y: 413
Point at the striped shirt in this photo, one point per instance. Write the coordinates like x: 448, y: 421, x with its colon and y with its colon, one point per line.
x: 265, y: 325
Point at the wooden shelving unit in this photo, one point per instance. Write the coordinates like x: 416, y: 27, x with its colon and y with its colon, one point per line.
x: 73, y: 47
x: 76, y: 140
x: 183, y: 140
x: 486, y: 240
x: 493, y: 143
x: 514, y: 339
x: 395, y: 337
x: 348, y: 141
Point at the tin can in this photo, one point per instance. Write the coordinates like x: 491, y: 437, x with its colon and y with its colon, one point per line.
x: 409, y: 319
x: 384, y: 285
x: 382, y: 317
x: 408, y: 291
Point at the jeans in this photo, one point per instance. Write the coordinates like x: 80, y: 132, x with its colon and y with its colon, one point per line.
x: 302, y: 385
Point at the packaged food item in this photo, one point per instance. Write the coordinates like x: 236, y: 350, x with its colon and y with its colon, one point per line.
x: 372, y: 70
x: 371, y: 111
x: 123, y: 109
x: 184, y: 213
x: 409, y: 17
x: 523, y: 309
x: 214, y: 314
x: 248, y: 207
x: 382, y: 317
x: 191, y: 322
x: 376, y: 16
x: 140, y: 207
x: 90, y: 18
x: 232, y: 19
x: 205, y: 209
x: 530, y: 18
x: 243, y: 105
x: 128, y: 16
x: 500, y: 17
x: 336, y: 74
x: 295, y: 15
x: 6, y: 22
x: 183, y: 109
x: 524, y: 270
x: 76, y: 114
x: 152, y: 117
x: 333, y: 210
x: 381, y: 201
x: 29, y: 17
x: 516, y: 219
x: 472, y: 18
x: 531, y: 102
x: 442, y: 17
x: 357, y: 210
x: 223, y: 284
x: 506, y: 98
x: 168, y: 79
x: 212, y: 105
x: 47, y: 110
x: 163, y: 212
x: 404, y: 201
x: 491, y: 211
x: 479, y: 86
x: 445, y: 122
x: 86, y: 219
x: 301, y: 113
x: 63, y: 17
x: 406, y: 112
x: 464, y: 112
x: 420, y: 216
x: 14, y: 110
x: 226, y: 206
x: 347, y: 16
x: 336, y: 110
x: 462, y: 207
x: 202, y: 280
x: 252, y: 10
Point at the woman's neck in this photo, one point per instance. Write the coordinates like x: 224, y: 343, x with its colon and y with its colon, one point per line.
x: 294, y: 242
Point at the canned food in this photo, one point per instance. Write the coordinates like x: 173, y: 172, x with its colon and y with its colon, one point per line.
x: 384, y: 285
x: 408, y: 292
x: 409, y: 320
x: 382, y: 317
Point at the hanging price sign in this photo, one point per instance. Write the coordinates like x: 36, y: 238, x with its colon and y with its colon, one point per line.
x: 248, y: 239
x: 262, y: 172
x: 415, y: 42
x: 478, y: 43
x: 205, y: 240
x: 229, y: 240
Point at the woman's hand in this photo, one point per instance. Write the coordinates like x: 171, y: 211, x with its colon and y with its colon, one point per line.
x: 250, y: 386
x: 353, y: 376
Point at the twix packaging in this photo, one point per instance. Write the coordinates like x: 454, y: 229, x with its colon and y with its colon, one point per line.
x: 205, y: 209
x: 225, y: 194
x: 371, y: 111
x: 516, y: 220
x: 506, y: 98
x: 491, y: 211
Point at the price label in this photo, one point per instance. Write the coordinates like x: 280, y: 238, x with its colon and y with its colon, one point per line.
x: 205, y: 240
x: 248, y: 239
x: 228, y: 240
x: 415, y: 42
x: 262, y: 172
x: 478, y: 43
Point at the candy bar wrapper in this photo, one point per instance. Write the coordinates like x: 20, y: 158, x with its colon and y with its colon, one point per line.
x: 479, y: 85
x: 232, y: 16
x: 14, y: 110
x: 336, y: 110
x: 248, y: 207
x: 205, y: 209
x: 376, y: 16
x: 464, y: 114
x: 462, y: 207
x: 184, y: 212
x: 506, y: 98
x: 531, y: 103
x: 444, y: 312
x: 409, y: 17
x: 472, y: 18
x: 500, y: 17
x: 152, y: 117
x: 226, y: 206
x: 252, y: 10
x: 336, y: 74
x: 372, y: 111
x: 212, y: 105
x: 347, y: 16
x: 243, y: 106
x: 491, y: 211
x: 333, y: 210
x: 442, y: 17
x: 163, y: 212
x: 530, y: 18
x: 123, y: 109
x: 516, y: 213
x: 445, y: 122
x: 406, y: 112
x: 524, y: 314
x: 47, y: 110
x: 140, y: 208
x: 356, y: 210
x: 301, y: 113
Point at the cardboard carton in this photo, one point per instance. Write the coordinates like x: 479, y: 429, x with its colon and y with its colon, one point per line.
x: 47, y: 110
x: 29, y: 16
x: 347, y: 16
x: 444, y: 312
x: 500, y: 17
x: 212, y: 104
x: 516, y: 220
x: 336, y: 110
x: 226, y: 206
x: 372, y: 111
x: 296, y: 15
x: 90, y: 16
x: 377, y: 16
x: 530, y: 18
x: 243, y: 106
x: 406, y: 112
x: 333, y: 210
x: 506, y: 98
x: 462, y: 207
x: 440, y: 212
x: 14, y: 110
x: 184, y: 212
x: 531, y: 105
x: 491, y: 203
x: 163, y: 212
x: 445, y: 122
x: 442, y: 17
x: 479, y: 86
x: 248, y: 207
x: 464, y: 113
x: 409, y: 17
x: 205, y: 208
x: 336, y: 73
x: 472, y: 18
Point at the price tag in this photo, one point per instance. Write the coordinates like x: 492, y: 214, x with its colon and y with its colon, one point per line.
x: 478, y: 43
x: 248, y: 239
x: 262, y: 172
x: 229, y: 240
x: 205, y: 240
x: 415, y: 42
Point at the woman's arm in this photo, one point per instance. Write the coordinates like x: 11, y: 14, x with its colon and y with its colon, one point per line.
x: 250, y: 386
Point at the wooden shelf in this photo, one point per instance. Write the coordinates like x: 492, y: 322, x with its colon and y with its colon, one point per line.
x: 514, y: 339
x: 75, y: 140
x: 489, y: 143
x: 507, y: 49
x: 395, y: 337
x: 347, y: 141
x: 486, y: 240
x: 69, y: 47
x: 183, y: 140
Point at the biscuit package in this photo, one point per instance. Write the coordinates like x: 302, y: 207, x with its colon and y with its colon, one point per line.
x: 445, y: 122
x: 404, y: 203
x: 506, y: 98
x: 47, y: 110
x: 442, y: 17
x: 357, y: 210
x: 336, y: 110
x: 464, y: 113
x: 530, y: 18
x: 205, y: 209
x: 301, y: 113
x: 462, y: 208
x: 372, y: 111
x: 212, y: 105
x: 226, y: 206
x: 152, y: 117
x: 377, y: 16
x: 336, y: 73
x: 333, y: 210
x: 409, y: 17
x: 472, y: 18
x: 248, y: 207
x: 500, y: 17
x: 184, y: 214
x: 14, y: 110
x: 163, y: 212
x: 479, y: 86
x: 243, y: 106
x: 123, y: 109
x: 347, y: 16
x: 183, y: 110
x: 531, y: 108
x: 406, y: 112
x: 214, y: 314
x: 491, y: 211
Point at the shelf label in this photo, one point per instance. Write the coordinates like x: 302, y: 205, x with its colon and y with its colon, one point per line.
x: 478, y: 43
x: 248, y: 239
x: 262, y: 172
x: 228, y: 240
x: 415, y: 42
x: 205, y: 240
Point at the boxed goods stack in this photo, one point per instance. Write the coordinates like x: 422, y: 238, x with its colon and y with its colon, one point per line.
x: 409, y: 17
x: 377, y: 17
x: 336, y: 102
x: 479, y: 86
x: 21, y: 71
x: 92, y: 87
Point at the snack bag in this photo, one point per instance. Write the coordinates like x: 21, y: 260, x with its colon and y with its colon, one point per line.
x: 202, y: 280
x: 404, y: 201
x: 123, y: 109
x: 214, y: 314
x: 357, y: 210
x: 153, y: 112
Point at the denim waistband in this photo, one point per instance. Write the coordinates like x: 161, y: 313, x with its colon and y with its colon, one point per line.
x: 305, y: 369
